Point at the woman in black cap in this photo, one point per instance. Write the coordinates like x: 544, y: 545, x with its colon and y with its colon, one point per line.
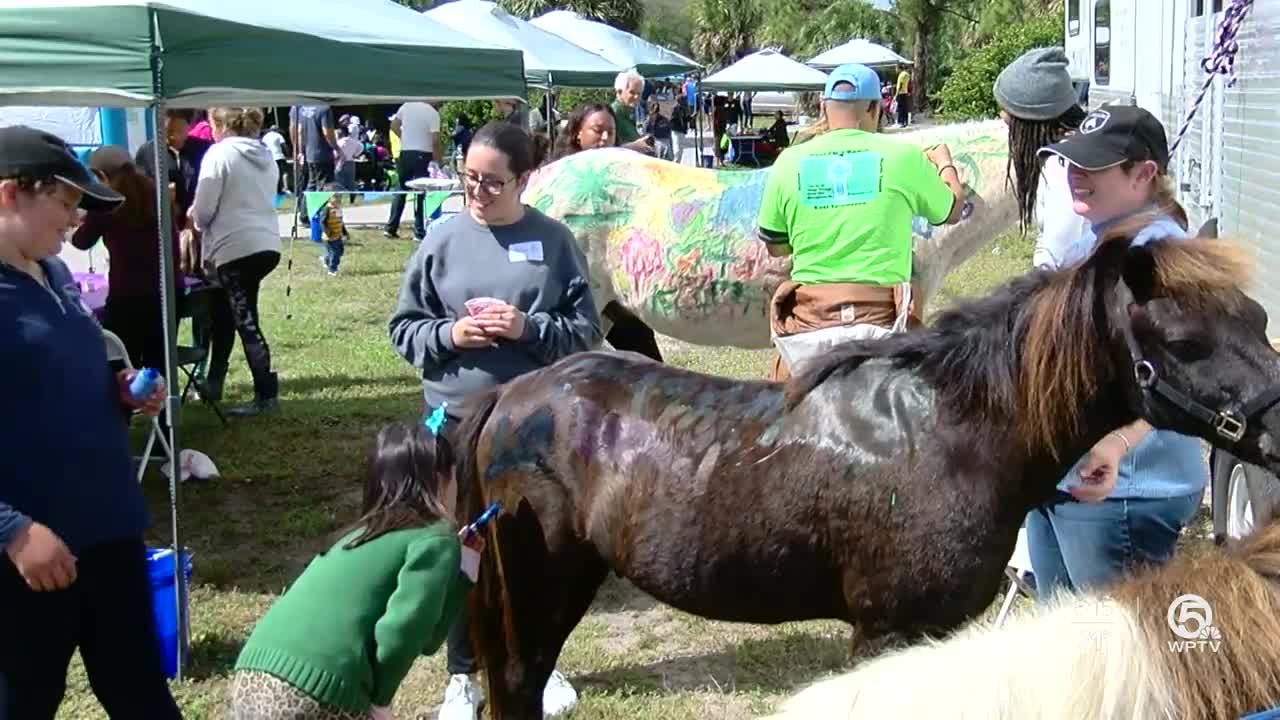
x: 1151, y: 480
x: 73, y: 573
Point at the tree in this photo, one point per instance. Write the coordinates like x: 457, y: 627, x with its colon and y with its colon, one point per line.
x: 922, y: 20
x: 668, y: 23
x: 968, y: 92
x: 1002, y: 14
x: 622, y: 14
x: 804, y: 28
x: 723, y: 31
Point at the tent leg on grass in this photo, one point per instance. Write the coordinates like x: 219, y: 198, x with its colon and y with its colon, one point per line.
x: 169, y: 310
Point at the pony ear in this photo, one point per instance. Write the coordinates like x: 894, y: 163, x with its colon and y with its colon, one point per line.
x: 1139, y: 273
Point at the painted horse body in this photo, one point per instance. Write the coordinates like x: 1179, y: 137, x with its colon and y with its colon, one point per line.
x: 883, y: 486
x: 676, y: 245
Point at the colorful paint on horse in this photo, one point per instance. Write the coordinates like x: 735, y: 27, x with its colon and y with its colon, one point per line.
x: 676, y: 245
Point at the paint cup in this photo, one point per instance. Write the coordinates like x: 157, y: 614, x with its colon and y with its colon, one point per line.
x: 475, y: 306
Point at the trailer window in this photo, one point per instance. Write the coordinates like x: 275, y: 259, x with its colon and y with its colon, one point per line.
x: 1197, y: 7
x: 1073, y: 17
x: 1102, y: 42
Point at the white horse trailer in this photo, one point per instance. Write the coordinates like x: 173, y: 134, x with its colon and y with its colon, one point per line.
x: 1227, y: 167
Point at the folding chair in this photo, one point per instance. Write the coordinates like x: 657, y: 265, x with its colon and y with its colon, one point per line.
x: 117, y: 352
x: 198, y: 305
x: 1018, y: 569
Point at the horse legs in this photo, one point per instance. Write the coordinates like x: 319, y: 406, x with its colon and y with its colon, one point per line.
x: 629, y: 332
x: 543, y: 594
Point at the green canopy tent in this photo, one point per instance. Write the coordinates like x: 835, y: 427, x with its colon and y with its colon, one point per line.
x: 201, y: 53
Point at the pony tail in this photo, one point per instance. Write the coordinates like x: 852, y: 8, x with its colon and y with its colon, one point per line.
x: 490, y: 623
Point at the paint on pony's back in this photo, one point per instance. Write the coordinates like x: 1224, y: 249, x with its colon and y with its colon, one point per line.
x: 676, y: 245
x: 682, y: 456
x: 1102, y: 655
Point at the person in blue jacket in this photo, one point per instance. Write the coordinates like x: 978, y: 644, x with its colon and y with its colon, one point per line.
x: 73, y: 573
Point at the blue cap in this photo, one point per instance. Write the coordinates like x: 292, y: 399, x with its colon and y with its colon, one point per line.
x: 865, y: 82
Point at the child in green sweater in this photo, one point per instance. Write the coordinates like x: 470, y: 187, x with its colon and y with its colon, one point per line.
x: 338, y: 643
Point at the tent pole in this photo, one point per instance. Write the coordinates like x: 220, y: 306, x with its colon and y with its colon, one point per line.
x: 551, y: 125
x: 697, y: 121
x: 169, y: 311
x: 299, y: 197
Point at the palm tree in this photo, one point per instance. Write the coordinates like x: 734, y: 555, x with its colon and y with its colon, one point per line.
x: 622, y: 14
x: 723, y: 30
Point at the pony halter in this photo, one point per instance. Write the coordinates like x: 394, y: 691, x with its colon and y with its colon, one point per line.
x: 1229, y: 424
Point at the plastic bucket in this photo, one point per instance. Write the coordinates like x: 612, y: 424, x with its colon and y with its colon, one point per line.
x: 163, y: 608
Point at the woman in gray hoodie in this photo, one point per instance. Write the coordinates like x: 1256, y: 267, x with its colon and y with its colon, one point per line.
x: 233, y: 209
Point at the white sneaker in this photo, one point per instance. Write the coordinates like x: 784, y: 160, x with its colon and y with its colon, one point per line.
x: 461, y: 699
x: 558, y: 697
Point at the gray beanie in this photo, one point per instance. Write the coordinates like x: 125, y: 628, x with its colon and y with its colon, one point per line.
x: 1037, y: 85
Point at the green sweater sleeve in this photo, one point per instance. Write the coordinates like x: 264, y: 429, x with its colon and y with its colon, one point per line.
x: 423, y: 605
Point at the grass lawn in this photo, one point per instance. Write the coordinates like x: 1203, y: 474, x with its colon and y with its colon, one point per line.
x: 292, y: 480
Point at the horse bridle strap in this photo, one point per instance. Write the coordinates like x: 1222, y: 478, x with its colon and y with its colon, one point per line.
x: 1227, y: 423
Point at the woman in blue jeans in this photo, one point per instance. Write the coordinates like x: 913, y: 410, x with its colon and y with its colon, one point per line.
x: 1125, y: 502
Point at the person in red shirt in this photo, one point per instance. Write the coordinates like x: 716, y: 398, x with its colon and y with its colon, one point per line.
x: 133, y: 309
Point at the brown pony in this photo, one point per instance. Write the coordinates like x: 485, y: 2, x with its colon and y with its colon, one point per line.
x: 883, y: 486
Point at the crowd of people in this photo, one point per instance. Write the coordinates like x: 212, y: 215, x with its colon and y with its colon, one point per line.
x: 496, y: 291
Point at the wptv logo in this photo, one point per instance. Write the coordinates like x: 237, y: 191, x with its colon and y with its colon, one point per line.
x: 1191, y: 620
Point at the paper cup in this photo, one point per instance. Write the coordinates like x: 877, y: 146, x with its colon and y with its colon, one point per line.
x: 475, y: 306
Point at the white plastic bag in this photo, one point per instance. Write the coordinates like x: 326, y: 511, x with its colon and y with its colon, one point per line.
x: 193, y: 464
x: 802, y: 347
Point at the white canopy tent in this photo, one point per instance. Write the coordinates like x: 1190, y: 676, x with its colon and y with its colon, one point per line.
x: 766, y: 70
x: 859, y: 51
x: 548, y: 58
x: 617, y: 46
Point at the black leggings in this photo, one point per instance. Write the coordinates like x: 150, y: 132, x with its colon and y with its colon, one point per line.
x: 240, y: 280
x: 106, y: 613
x: 139, y: 323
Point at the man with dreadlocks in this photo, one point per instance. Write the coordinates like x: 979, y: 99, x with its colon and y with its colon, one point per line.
x: 1038, y: 103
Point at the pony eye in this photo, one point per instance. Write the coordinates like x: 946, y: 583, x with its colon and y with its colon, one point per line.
x: 1189, y: 349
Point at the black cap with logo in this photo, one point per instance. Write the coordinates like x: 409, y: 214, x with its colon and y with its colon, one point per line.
x: 1112, y: 135
x: 28, y: 152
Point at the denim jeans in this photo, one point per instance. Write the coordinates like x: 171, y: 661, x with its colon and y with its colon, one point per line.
x: 1079, y: 546
x: 333, y: 250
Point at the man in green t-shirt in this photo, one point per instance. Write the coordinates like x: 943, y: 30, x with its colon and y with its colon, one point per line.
x: 627, y: 89
x: 841, y: 205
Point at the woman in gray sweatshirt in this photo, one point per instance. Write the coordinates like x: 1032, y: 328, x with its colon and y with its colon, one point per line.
x: 234, y: 210
x: 491, y: 293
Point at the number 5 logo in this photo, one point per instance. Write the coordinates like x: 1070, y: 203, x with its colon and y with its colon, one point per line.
x: 1192, y: 609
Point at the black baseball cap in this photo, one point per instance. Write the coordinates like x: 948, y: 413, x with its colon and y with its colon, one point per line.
x: 28, y: 152
x: 1112, y: 135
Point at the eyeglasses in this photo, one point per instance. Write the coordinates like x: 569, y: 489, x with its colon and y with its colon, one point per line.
x: 493, y: 186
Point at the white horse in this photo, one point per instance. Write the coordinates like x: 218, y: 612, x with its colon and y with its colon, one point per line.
x: 675, y: 245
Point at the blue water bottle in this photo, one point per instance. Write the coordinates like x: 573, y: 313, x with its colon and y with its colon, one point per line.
x: 142, y: 384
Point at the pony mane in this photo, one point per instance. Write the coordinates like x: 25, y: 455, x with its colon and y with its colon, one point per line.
x: 1242, y: 588
x: 1038, y: 343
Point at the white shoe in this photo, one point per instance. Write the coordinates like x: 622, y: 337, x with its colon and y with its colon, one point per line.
x: 558, y: 697
x: 461, y: 699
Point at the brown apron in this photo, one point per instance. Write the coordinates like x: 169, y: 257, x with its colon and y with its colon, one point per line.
x: 797, y: 308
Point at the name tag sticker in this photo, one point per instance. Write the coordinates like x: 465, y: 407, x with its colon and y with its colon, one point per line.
x: 525, y: 252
